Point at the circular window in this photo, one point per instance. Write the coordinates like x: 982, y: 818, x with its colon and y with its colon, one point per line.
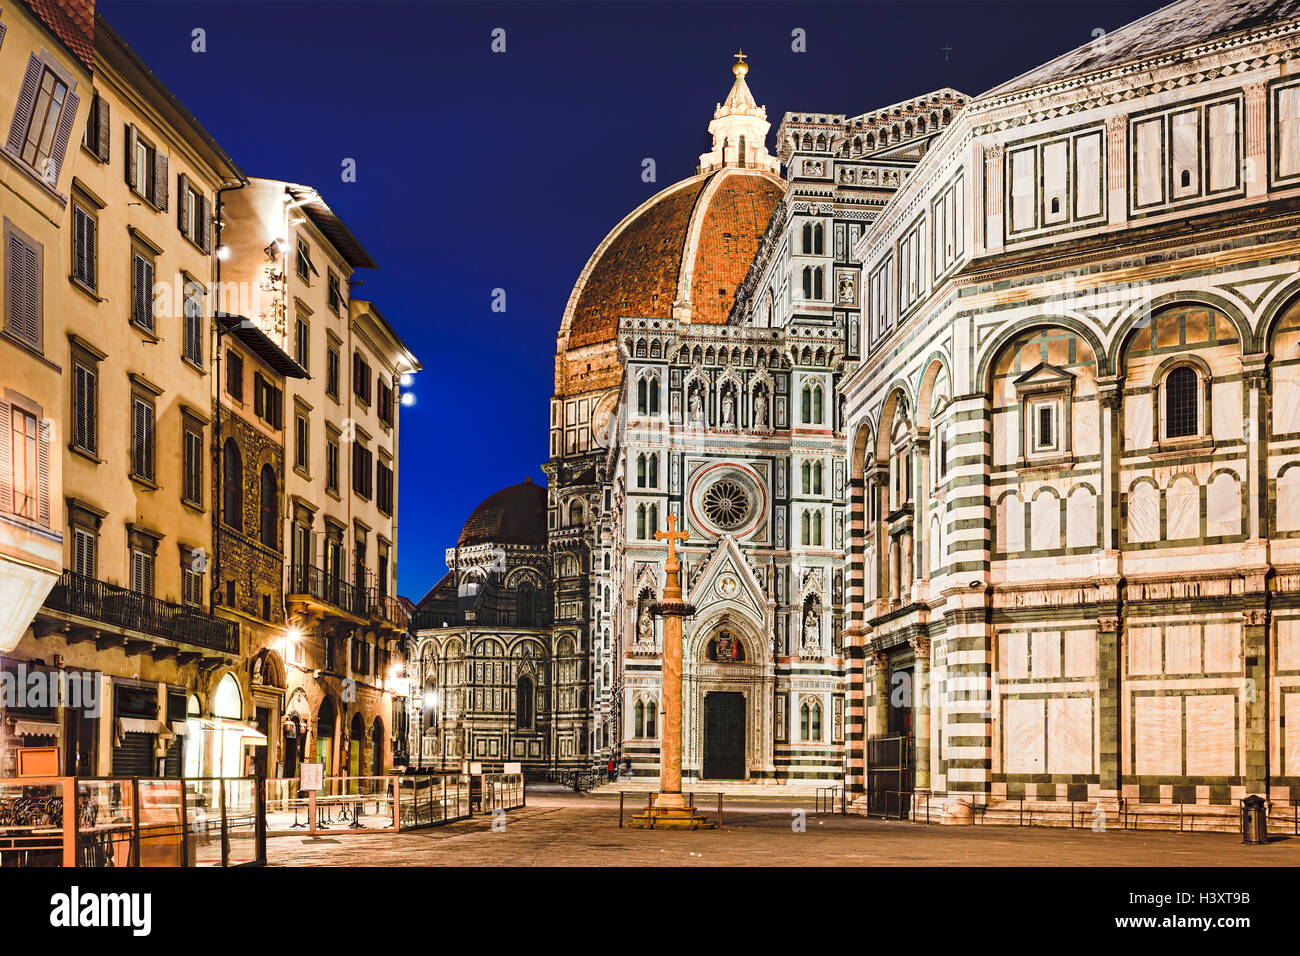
x: 726, y: 504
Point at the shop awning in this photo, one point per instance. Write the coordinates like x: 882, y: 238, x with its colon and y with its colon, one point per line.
x: 246, y: 731
x: 143, y: 725
x: 36, y: 728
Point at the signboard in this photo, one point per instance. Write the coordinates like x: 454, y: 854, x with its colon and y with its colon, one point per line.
x: 514, y: 768
x: 312, y: 776
x: 38, y: 761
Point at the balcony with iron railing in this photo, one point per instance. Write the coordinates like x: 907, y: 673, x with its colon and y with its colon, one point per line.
x: 389, y: 610
x: 77, y: 596
x: 329, y: 593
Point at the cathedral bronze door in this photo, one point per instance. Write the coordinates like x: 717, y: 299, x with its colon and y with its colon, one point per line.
x: 724, y: 736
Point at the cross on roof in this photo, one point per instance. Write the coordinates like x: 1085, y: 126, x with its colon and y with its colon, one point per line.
x: 740, y: 55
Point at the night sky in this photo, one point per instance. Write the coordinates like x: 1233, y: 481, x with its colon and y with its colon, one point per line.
x: 479, y: 170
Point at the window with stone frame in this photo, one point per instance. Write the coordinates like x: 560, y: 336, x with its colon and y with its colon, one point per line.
x: 301, y: 440
x: 142, y: 545
x: 44, y: 113
x: 1045, y: 395
x: 143, y: 418
x: 302, y: 343
x: 332, y: 369
x: 84, y: 407
x: 142, y: 286
x: 332, y: 452
x: 85, y: 244
x: 192, y: 455
x: 193, y: 565
x: 334, y: 292
x: 146, y: 169
x: 193, y: 315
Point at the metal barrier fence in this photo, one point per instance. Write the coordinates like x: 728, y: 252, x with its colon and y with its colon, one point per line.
x: 502, y: 791
x: 131, y: 822
x: 910, y: 805
x: 346, y: 805
x: 830, y: 799
x: 213, y: 821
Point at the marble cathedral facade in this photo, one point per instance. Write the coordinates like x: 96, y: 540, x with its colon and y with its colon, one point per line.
x: 983, y: 424
x: 1072, y: 564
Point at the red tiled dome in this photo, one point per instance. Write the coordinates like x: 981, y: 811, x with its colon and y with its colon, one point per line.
x: 717, y: 218
x: 514, y: 515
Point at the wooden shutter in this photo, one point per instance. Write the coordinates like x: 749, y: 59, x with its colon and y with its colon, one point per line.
x: 101, y: 121
x: 23, y: 289
x: 129, y: 165
x: 26, y: 104
x: 142, y: 439
x: 84, y: 241
x: 205, y: 224
x: 61, y: 136
x: 42, y: 475
x: 159, y: 197
x: 183, y: 204
x: 6, y: 461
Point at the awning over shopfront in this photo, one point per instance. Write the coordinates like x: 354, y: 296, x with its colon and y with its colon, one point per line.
x: 35, y: 728
x: 143, y: 725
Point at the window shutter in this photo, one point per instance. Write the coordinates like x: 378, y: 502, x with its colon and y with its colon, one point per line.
x: 137, y: 438
x: 42, y: 475
x: 101, y: 129
x: 148, y: 441
x: 23, y: 290
x: 62, y: 135
x: 205, y: 224
x: 6, y: 465
x: 26, y: 104
x: 129, y: 165
x: 182, y: 203
x: 159, y: 198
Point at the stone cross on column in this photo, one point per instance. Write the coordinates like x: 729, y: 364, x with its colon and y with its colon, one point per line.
x: 670, y: 719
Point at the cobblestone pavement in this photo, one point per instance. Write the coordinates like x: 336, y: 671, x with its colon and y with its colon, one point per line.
x: 580, y: 830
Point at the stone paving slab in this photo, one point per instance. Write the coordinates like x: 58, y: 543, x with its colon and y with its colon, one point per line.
x: 581, y: 830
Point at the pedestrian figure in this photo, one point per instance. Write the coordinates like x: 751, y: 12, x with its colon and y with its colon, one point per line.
x: 609, y: 770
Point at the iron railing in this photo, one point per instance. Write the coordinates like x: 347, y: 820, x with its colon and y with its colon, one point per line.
x: 385, y: 607
x: 332, y: 589
x: 109, y: 604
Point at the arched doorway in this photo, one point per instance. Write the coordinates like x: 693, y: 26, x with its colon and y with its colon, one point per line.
x: 726, y: 690
x: 292, y: 734
x: 377, y: 748
x: 356, y: 741
x: 326, y: 718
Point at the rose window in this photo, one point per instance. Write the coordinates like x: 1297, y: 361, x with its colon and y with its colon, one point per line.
x: 726, y: 504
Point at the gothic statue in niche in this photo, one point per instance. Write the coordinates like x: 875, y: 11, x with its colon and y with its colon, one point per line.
x: 725, y: 648
x: 760, y: 408
x: 811, y: 631
x: 645, y: 626
x: 728, y: 407
x: 695, y: 404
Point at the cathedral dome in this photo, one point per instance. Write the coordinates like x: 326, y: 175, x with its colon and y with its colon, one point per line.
x: 680, y: 254
x: 514, y: 515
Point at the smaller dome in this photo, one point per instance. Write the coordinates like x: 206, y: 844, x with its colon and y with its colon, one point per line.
x: 514, y: 515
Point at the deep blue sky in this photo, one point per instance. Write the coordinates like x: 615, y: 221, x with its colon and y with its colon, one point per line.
x: 478, y: 170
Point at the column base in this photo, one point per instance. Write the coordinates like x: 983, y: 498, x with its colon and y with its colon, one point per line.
x: 685, y: 818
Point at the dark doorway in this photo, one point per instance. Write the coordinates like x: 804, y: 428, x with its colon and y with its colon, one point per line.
x: 724, y: 736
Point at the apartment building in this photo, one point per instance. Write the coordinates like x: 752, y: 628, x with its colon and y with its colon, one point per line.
x: 291, y: 266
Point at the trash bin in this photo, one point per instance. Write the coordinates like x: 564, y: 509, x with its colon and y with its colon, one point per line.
x: 1254, y: 820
